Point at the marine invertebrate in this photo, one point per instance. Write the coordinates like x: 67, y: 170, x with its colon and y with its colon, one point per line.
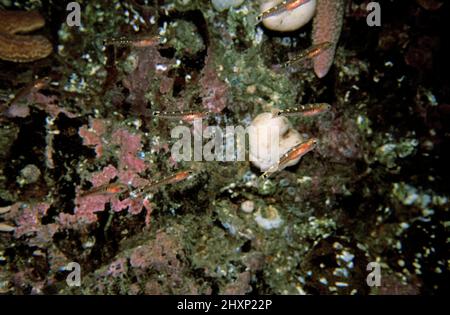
x: 22, y: 48
x: 4, y: 227
x: 268, y: 218
x: 327, y: 24
x: 268, y: 136
x: 271, y: 136
x: 248, y: 206
x: 327, y: 27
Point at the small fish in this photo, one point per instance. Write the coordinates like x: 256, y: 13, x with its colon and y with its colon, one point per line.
x: 184, y: 116
x: 139, y: 42
x: 172, y: 179
x: 286, y: 5
x: 309, y: 53
x: 33, y: 87
x: 296, y: 152
x: 114, y: 188
x: 303, y: 110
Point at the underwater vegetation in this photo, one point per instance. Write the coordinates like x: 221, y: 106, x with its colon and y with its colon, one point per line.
x: 88, y: 175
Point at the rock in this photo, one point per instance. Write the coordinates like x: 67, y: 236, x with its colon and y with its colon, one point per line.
x: 290, y: 20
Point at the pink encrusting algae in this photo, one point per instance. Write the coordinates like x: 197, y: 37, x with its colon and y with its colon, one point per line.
x: 327, y: 27
x: 92, y: 135
x: 127, y: 174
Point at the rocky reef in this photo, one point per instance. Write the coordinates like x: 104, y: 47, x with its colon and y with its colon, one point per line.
x: 88, y: 175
